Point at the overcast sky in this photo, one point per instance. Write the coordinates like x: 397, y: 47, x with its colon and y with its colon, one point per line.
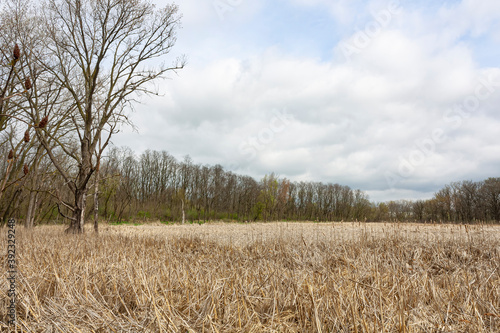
x: 396, y: 98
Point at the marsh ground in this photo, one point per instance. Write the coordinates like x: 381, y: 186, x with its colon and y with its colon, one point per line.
x: 265, y: 277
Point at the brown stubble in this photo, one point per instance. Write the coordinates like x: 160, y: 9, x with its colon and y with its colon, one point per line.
x: 289, y: 277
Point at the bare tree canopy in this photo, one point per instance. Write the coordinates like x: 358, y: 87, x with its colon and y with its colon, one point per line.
x: 92, y: 59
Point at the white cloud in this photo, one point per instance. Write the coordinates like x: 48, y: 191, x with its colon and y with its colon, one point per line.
x: 354, y: 122
x: 474, y: 17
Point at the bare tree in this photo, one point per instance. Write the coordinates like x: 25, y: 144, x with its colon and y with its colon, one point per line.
x: 101, y: 54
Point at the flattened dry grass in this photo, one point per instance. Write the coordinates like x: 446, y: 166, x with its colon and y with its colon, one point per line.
x: 288, y: 277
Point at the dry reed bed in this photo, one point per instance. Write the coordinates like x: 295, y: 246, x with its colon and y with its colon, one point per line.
x: 258, y: 278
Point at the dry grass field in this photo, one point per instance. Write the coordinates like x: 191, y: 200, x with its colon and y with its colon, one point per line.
x: 276, y: 277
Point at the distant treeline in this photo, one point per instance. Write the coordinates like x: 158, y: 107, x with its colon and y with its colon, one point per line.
x: 156, y: 186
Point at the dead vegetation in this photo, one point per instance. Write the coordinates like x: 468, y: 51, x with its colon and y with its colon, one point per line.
x: 288, y: 277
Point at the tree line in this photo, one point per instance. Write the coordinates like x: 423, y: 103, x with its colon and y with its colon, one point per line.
x: 155, y: 186
x: 459, y: 202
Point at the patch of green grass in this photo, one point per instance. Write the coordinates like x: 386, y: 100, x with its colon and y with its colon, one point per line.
x: 120, y: 223
x: 200, y: 222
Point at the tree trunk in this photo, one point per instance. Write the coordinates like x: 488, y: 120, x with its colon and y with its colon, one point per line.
x: 4, y: 181
x: 81, y: 185
x: 183, y: 215
x: 96, y: 199
x: 78, y: 218
x: 34, y: 195
x: 28, y: 223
